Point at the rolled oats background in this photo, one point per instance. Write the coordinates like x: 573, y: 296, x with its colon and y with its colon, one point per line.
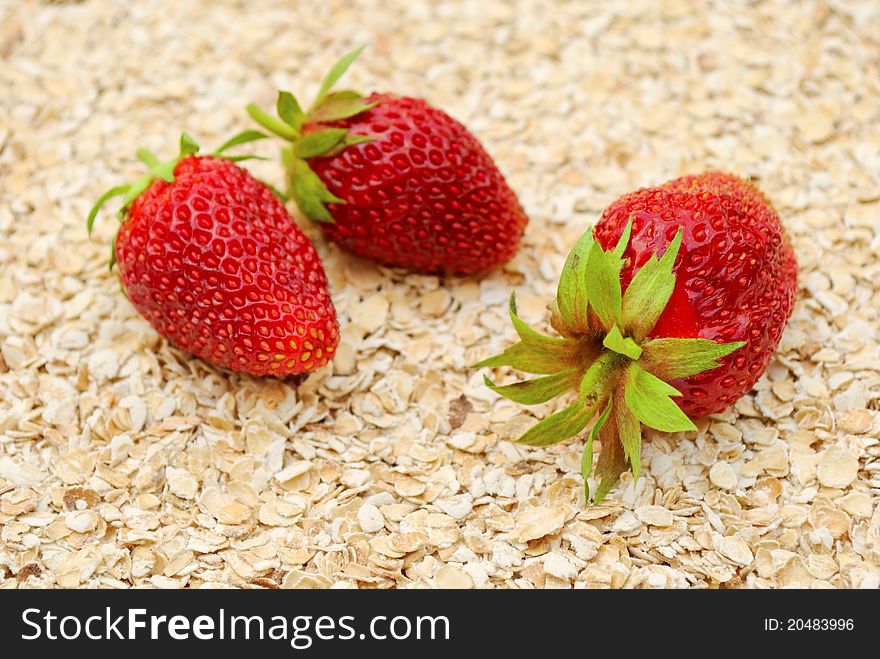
x: 124, y: 462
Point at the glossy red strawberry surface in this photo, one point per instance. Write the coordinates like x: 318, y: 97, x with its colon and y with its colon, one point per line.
x: 736, y: 274
x: 423, y: 194
x: 215, y: 263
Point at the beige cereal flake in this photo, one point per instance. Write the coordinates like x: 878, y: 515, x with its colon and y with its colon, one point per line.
x: 838, y: 467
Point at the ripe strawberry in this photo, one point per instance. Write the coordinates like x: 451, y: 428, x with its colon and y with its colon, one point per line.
x: 700, y: 323
x: 211, y: 258
x: 395, y: 180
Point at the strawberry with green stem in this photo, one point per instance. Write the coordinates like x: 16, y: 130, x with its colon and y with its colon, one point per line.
x: 211, y: 258
x: 393, y: 179
x: 164, y: 171
x: 654, y: 341
x: 308, y: 138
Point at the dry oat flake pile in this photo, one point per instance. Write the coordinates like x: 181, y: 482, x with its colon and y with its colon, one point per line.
x: 126, y: 463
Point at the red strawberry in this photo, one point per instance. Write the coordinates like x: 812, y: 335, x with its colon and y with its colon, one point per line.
x: 699, y: 324
x: 740, y: 274
x: 395, y: 180
x: 209, y: 255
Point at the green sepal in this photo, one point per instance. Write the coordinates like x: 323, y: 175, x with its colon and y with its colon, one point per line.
x: 539, y: 390
x: 270, y: 123
x: 649, y: 291
x: 112, y: 260
x: 158, y: 170
x: 603, y: 284
x: 623, y: 241
x: 571, y: 308
x: 318, y: 143
x: 587, y: 457
x: 289, y: 110
x: 671, y: 359
x: 188, y: 147
x: 347, y: 141
x: 308, y: 190
x: 535, y: 352
x: 356, y: 139
x: 526, y: 334
x: 135, y: 190
x: 650, y: 400
x: 93, y: 213
x: 612, y: 460
x: 340, y: 105
x: 335, y: 74
x: 275, y: 191
x: 615, y: 341
x: 523, y: 358
x: 572, y: 303
x: 557, y: 427
x: 147, y: 157
x: 243, y: 137
x: 245, y: 157
x: 596, y: 382
x: 629, y: 430
x: 587, y: 466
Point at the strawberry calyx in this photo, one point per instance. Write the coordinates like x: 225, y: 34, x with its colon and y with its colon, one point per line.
x: 165, y: 171
x: 309, y: 138
x: 605, y: 353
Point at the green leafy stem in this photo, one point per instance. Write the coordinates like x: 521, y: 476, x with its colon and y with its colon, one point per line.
x: 309, y: 137
x: 164, y: 171
x: 605, y: 354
